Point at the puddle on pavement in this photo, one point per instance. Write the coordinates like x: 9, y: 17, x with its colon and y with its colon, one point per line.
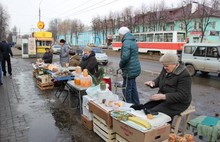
x: 48, y: 119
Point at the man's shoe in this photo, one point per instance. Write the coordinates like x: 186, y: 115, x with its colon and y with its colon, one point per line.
x: 4, y: 74
x: 10, y: 74
x: 1, y: 83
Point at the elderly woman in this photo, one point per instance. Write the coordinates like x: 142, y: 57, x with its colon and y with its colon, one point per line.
x: 174, y: 82
x: 89, y: 60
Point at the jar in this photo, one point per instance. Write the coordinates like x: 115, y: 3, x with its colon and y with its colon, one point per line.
x: 85, y: 80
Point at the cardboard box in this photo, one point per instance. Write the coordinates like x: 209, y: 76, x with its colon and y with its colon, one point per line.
x: 130, y: 134
x: 85, y: 107
x: 86, y: 122
x: 99, y: 111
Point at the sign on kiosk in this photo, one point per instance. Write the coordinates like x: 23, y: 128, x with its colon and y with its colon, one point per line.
x: 32, y: 46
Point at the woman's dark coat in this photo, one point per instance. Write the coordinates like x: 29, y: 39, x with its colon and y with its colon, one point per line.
x: 177, y: 88
x: 89, y: 63
x: 129, y: 57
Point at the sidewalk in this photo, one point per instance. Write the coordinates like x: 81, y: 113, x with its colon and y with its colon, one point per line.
x: 28, y: 114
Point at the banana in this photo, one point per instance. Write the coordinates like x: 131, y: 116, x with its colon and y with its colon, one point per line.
x: 140, y: 121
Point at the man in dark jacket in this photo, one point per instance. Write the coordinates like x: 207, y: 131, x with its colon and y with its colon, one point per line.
x: 1, y: 57
x: 174, y: 82
x: 130, y: 65
x: 48, y: 56
x: 6, y: 58
x: 89, y: 60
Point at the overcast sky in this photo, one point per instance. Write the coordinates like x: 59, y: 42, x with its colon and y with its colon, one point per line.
x: 24, y: 14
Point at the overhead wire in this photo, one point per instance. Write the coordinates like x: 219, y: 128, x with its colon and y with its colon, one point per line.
x: 76, y: 7
x: 87, y: 7
x: 83, y: 11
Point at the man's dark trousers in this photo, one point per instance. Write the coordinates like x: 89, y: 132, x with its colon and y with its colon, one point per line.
x: 8, y: 60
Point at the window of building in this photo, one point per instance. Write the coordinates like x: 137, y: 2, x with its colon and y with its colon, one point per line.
x: 171, y: 28
x: 200, y: 25
x: 195, y: 25
x: 214, y: 25
x: 181, y: 26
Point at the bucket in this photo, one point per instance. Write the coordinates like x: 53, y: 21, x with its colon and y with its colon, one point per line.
x: 107, y: 80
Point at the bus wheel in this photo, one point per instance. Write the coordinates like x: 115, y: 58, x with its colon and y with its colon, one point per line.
x: 191, y: 70
x: 150, y: 53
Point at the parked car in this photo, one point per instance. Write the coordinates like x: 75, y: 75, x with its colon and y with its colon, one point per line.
x: 56, y: 49
x: 204, y: 57
x: 103, y: 46
x: 101, y: 56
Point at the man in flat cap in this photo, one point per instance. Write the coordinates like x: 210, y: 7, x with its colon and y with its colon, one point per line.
x: 130, y: 65
x: 64, y: 53
x: 48, y: 56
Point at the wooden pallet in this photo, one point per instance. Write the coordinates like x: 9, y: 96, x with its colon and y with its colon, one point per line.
x: 45, y: 86
x: 100, y: 128
x: 120, y: 139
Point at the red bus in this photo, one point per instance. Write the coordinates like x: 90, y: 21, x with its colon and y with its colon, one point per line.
x: 155, y: 42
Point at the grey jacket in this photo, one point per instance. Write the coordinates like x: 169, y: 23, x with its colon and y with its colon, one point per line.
x: 64, y: 54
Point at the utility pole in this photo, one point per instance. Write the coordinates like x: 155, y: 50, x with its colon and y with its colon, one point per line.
x: 39, y: 10
x: 39, y: 14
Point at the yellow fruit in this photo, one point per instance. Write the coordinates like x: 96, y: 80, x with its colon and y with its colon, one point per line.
x: 140, y: 121
x: 150, y: 116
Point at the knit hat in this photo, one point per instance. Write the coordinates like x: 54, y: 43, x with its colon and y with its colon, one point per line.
x: 169, y: 58
x: 87, y: 48
x: 62, y: 41
x: 123, y: 30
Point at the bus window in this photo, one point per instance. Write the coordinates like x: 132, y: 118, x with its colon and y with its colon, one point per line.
x: 142, y: 37
x: 117, y: 39
x: 149, y: 38
x: 181, y: 37
x: 158, y: 37
x: 168, y: 37
x: 136, y: 37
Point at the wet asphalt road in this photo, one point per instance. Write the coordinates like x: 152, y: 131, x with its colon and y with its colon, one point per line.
x: 46, y: 119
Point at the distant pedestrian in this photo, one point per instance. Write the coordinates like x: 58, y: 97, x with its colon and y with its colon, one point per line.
x: 48, y: 56
x: 130, y: 65
x: 1, y: 57
x: 64, y: 53
x: 6, y: 58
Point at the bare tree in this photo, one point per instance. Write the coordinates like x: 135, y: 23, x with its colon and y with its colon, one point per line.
x: 4, y: 17
x: 143, y: 15
x: 53, y: 27
x: 96, y: 27
x: 187, y: 11
x: 127, y: 17
x: 63, y: 28
x: 205, y: 13
x: 76, y: 27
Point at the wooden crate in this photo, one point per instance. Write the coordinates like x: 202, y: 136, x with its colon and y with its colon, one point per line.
x: 100, y: 128
x: 34, y: 73
x: 45, y: 86
x: 120, y: 139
